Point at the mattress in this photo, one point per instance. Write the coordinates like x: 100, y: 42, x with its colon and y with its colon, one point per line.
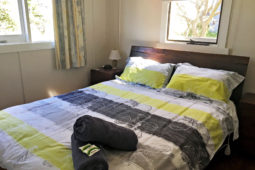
x: 174, y: 132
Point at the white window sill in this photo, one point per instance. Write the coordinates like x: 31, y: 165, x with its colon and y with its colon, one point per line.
x: 19, y: 47
x: 214, y: 49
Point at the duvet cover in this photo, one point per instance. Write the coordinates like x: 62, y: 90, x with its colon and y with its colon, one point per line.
x: 174, y: 131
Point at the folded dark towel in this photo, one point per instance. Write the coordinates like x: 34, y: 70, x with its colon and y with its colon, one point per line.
x: 81, y: 161
x: 91, y: 129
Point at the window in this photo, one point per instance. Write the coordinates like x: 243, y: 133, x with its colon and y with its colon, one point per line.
x: 26, y: 21
x: 202, y: 22
x: 197, y: 20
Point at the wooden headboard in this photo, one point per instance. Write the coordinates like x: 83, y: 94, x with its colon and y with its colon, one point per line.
x: 237, y: 64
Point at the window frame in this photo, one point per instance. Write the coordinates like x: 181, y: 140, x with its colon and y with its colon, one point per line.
x: 25, y: 36
x: 222, y: 32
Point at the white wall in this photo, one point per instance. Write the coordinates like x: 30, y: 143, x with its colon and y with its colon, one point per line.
x: 10, y: 80
x: 242, y: 36
x: 140, y: 21
x: 31, y: 75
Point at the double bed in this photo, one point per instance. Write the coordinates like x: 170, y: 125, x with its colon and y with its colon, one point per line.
x: 174, y: 132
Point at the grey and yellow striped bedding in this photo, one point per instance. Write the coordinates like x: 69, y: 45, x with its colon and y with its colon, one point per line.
x: 173, y: 132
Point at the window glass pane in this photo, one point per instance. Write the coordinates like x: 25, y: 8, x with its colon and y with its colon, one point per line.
x: 9, y: 18
x: 41, y: 20
x: 194, y: 19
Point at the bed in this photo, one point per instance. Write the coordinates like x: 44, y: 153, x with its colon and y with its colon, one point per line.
x: 173, y: 132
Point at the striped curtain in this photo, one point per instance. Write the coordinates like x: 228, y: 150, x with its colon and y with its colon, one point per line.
x: 69, y: 27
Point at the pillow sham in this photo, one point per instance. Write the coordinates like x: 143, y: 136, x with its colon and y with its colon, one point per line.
x: 210, y: 83
x: 147, y: 72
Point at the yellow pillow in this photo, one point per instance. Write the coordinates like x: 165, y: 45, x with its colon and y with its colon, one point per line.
x: 147, y: 72
x: 210, y: 83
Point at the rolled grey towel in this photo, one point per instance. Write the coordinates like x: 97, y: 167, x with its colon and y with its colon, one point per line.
x: 81, y: 161
x: 91, y: 129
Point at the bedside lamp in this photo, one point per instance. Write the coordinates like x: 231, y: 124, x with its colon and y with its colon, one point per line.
x: 114, y: 56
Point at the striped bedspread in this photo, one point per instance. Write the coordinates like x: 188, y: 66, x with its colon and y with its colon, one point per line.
x: 173, y: 132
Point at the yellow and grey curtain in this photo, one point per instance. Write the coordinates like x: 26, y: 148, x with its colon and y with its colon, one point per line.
x: 69, y: 26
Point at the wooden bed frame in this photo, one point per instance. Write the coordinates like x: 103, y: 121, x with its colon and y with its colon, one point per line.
x: 216, y: 61
x: 237, y: 64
